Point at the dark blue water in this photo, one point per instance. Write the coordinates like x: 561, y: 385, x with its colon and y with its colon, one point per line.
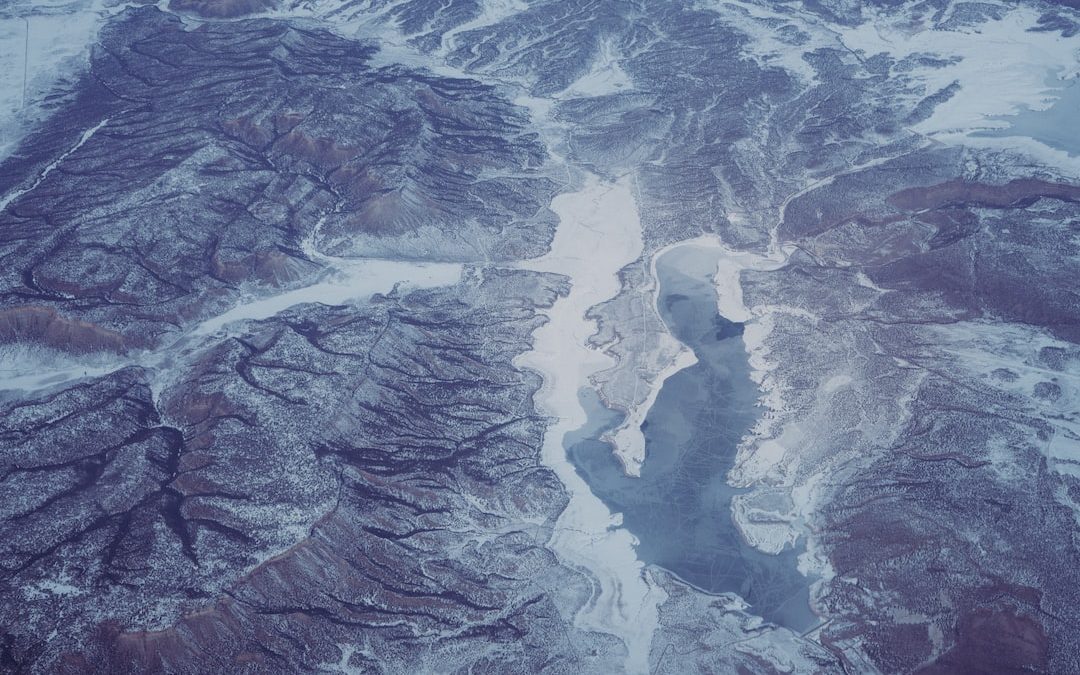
x: 680, y: 506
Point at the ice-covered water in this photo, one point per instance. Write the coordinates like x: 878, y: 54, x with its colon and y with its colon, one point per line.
x: 1054, y: 126
x: 680, y: 506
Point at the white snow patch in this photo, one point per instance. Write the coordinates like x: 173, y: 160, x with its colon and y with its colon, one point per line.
x: 1051, y: 158
x: 605, y: 76
x: 48, y: 587
x: 836, y: 382
x: 43, y: 44
x: 766, y: 46
x: 25, y: 367
x: 1001, y: 68
x: 342, y: 665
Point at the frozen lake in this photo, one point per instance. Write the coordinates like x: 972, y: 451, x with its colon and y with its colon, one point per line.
x: 680, y: 507
x: 1055, y: 126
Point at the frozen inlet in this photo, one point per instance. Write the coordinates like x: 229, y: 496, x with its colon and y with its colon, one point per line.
x: 357, y: 279
x: 679, y: 508
x: 599, y: 232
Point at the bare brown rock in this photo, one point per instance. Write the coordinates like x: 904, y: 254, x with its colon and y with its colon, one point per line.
x: 41, y: 325
x: 990, y: 641
x: 957, y: 191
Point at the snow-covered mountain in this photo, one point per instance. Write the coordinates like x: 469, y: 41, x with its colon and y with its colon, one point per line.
x: 539, y: 336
